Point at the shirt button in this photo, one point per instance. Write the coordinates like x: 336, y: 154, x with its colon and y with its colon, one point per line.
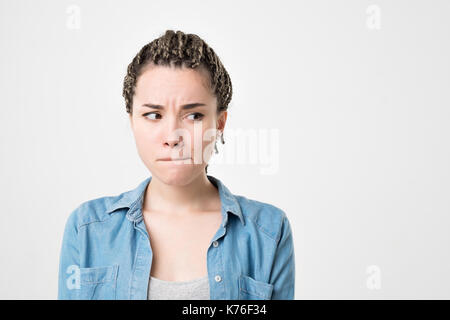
x: 215, y: 244
x: 218, y: 278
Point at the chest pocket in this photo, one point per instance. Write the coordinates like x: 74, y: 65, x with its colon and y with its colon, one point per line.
x: 98, y: 283
x: 251, y: 289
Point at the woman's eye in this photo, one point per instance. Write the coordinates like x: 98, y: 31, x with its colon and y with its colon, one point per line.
x: 151, y: 113
x: 196, y: 114
x: 200, y: 116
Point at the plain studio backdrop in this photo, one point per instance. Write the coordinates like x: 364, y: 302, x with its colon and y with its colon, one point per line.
x: 340, y: 117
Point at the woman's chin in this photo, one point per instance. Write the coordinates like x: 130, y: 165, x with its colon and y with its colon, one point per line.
x: 175, y: 175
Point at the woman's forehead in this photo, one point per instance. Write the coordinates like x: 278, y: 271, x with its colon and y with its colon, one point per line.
x: 162, y: 84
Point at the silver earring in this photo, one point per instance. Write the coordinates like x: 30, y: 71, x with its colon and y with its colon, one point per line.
x: 215, y: 143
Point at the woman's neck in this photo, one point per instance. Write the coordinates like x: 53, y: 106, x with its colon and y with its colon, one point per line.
x: 198, y: 196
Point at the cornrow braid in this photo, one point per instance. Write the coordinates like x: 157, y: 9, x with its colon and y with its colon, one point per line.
x: 180, y: 49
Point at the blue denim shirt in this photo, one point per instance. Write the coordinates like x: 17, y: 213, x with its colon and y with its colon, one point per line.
x: 106, y: 251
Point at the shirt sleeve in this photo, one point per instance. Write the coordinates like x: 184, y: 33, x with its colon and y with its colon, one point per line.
x: 283, y: 270
x: 69, y: 261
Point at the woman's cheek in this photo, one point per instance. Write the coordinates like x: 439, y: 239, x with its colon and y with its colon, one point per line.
x: 208, y: 146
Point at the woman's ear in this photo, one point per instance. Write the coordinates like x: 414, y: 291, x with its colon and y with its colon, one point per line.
x: 221, y: 121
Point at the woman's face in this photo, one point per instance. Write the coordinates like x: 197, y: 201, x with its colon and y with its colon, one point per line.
x: 175, y: 117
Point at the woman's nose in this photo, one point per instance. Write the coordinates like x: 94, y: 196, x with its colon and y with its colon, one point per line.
x: 174, y: 135
x: 173, y: 142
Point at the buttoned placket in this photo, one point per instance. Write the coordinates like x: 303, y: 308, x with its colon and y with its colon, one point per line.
x: 142, y: 269
x: 216, y: 266
x: 144, y: 255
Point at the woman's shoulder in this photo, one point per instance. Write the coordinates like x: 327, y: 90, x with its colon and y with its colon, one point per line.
x: 251, y: 205
x: 266, y: 216
x: 93, y: 210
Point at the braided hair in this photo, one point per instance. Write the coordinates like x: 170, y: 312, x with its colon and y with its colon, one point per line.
x: 179, y: 49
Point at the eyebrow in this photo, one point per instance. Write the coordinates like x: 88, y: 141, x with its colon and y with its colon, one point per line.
x: 183, y: 107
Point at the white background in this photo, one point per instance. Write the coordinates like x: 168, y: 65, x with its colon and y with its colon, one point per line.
x: 362, y: 115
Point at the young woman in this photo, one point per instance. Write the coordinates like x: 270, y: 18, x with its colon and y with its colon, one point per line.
x: 181, y: 233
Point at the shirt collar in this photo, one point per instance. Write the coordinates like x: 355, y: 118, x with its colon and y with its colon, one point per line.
x: 133, y: 200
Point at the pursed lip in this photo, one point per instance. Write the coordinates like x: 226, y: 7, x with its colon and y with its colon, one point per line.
x: 170, y: 159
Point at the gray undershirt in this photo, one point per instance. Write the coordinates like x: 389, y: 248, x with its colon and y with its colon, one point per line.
x: 197, y: 289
